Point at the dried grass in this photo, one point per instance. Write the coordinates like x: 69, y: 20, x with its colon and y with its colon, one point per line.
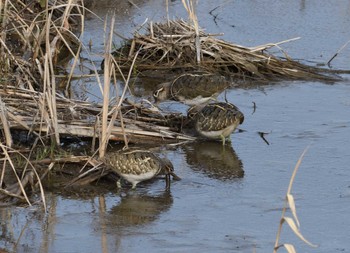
x: 293, y: 221
x: 173, y: 46
x: 16, y: 190
x: 29, y: 32
x: 79, y: 118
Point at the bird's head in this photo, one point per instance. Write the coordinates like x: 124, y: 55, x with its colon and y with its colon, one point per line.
x: 162, y: 92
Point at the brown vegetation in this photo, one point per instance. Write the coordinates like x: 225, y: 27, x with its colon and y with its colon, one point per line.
x: 171, y: 46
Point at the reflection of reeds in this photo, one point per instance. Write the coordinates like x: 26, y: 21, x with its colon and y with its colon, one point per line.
x: 292, y: 222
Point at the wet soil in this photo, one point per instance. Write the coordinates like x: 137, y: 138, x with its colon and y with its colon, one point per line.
x: 230, y: 198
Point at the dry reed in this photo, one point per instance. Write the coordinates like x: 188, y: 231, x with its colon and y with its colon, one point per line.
x: 78, y: 118
x: 292, y: 222
x: 16, y: 190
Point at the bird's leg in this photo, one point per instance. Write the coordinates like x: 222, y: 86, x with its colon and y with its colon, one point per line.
x: 167, y: 182
x: 223, y: 140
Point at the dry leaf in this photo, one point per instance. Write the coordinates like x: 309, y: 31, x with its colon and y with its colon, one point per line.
x: 292, y: 225
x: 289, y: 247
x: 291, y: 204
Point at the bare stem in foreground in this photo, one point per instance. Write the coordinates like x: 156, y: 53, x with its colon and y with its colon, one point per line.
x: 292, y: 222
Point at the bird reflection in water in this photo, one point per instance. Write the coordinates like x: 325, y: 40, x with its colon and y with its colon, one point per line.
x: 214, y: 160
x: 137, y: 208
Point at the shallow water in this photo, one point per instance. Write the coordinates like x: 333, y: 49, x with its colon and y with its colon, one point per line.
x: 229, y: 199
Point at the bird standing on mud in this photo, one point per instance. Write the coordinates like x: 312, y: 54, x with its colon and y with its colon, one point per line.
x: 139, y: 165
x: 216, y: 120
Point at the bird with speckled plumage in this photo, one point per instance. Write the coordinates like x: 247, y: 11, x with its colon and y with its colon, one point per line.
x: 136, y: 166
x: 192, y: 88
x: 216, y: 120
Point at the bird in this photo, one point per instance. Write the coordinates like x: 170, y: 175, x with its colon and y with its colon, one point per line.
x: 192, y: 88
x: 136, y: 166
x: 216, y: 120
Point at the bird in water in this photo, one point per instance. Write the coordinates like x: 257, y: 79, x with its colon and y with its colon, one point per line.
x: 191, y: 88
x: 136, y: 166
x: 216, y: 120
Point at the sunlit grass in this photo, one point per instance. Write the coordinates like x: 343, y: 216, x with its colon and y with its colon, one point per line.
x: 293, y: 222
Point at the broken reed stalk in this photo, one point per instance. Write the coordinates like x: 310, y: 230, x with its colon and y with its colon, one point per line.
x: 107, y: 73
x: 3, y: 14
x: 191, y: 10
x: 5, y: 124
x: 8, y: 158
x: 121, y: 99
x: 50, y: 82
x: 336, y: 54
x: 292, y: 222
x: 167, y: 10
x: 66, y: 43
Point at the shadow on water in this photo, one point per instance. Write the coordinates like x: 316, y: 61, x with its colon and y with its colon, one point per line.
x: 214, y: 160
x: 137, y: 208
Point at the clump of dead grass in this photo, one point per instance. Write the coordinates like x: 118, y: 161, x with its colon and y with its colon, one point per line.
x: 180, y: 45
x: 34, y: 37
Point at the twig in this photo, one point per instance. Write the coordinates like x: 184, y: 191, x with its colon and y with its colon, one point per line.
x: 336, y: 54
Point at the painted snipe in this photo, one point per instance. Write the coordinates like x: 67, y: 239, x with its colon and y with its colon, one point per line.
x: 216, y: 120
x: 192, y: 89
x: 139, y: 165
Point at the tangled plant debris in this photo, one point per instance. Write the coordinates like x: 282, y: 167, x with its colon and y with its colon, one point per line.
x: 171, y: 46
